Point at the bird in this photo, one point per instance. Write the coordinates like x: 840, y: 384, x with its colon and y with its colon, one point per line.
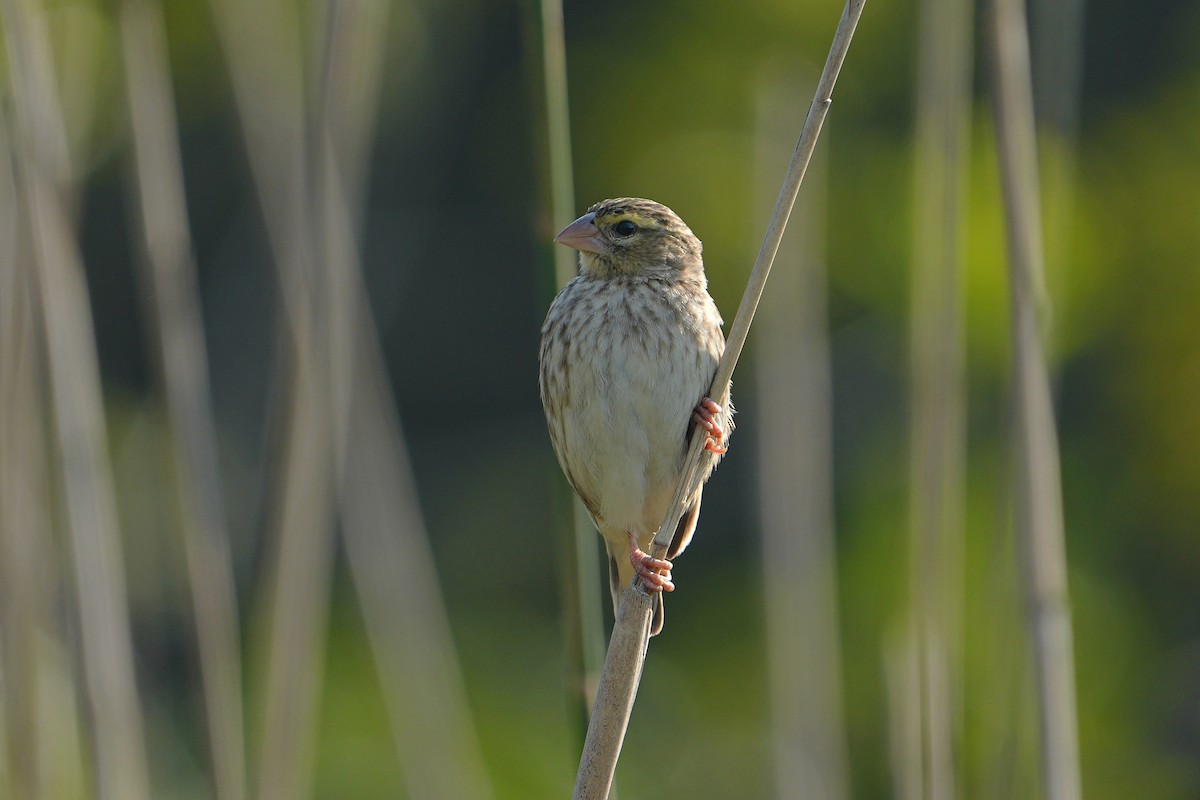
x: 628, y: 352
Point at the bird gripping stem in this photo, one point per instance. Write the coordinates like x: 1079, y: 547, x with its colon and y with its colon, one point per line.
x: 627, y: 648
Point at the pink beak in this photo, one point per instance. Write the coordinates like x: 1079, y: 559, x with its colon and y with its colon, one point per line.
x: 582, y: 234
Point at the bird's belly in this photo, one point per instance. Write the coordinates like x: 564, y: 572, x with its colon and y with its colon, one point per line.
x: 637, y: 467
x: 633, y: 428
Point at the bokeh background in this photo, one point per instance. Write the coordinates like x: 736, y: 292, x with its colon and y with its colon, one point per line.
x: 667, y: 101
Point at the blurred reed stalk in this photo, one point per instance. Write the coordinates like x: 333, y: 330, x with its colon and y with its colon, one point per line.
x: 558, y: 133
x: 936, y: 388
x: 1005, y: 722
x: 34, y: 87
x: 582, y: 594
x: 630, y: 638
x: 1039, y: 517
x: 41, y: 717
x: 902, y: 687
x: 344, y: 435
x: 385, y: 536
x: 117, y: 740
x: 22, y: 495
x: 397, y: 583
x: 173, y: 309
x: 795, y: 486
x: 262, y: 44
x: 263, y: 47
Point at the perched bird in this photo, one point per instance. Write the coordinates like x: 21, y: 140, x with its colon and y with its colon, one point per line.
x: 628, y: 351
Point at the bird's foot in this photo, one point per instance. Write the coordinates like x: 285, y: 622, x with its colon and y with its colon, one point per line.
x: 654, y: 573
x: 705, y: 416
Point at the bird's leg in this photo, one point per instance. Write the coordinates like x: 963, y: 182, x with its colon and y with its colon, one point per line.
x: 654, y: 572
x: 703, y: 416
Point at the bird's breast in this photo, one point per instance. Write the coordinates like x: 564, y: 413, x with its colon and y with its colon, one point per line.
x: 634, y: 366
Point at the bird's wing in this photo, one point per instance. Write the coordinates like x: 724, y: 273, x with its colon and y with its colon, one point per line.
x: 589, y: 502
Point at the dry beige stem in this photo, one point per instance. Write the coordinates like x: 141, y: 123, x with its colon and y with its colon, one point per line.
x: 106, y: 642
x: 1039, y: 514
x: 174, y: 309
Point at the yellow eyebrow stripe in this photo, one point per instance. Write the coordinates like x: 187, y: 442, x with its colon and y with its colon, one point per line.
x: 641, y: 220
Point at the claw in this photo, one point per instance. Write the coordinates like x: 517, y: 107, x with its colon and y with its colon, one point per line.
x: 704, y: 416
x: 655, y: 573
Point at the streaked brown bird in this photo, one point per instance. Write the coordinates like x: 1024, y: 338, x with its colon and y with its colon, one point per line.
x: 629, y: 349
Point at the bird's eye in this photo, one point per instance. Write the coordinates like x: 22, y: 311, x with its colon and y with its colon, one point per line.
x: 625, y: 228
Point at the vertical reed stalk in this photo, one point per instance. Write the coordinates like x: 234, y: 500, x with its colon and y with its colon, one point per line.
x: 397, y: 584
x: 936, y: 385
x: 263, y: 47
x: 1039, y: 517
x: 385, y: 537
x: 42, y: 725
x: 795, y: 486
x: 35, y: 89
x: 22, y: 496
x: 173, y: 307
x: 1006, y: 731
x: 583, y: 617
x: 78, y: 407
x: 558, y: 132
x: 300, y: 586
x: 902, y: 682
x: 335, y: 341
x: 107, y: 645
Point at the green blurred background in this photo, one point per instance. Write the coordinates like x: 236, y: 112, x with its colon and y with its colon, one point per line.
x: 455, y: 250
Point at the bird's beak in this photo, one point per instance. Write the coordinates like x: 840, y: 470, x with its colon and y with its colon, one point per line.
x: 582, y: 234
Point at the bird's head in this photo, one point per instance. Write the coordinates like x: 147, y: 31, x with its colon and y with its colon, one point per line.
x: 629, y: 236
